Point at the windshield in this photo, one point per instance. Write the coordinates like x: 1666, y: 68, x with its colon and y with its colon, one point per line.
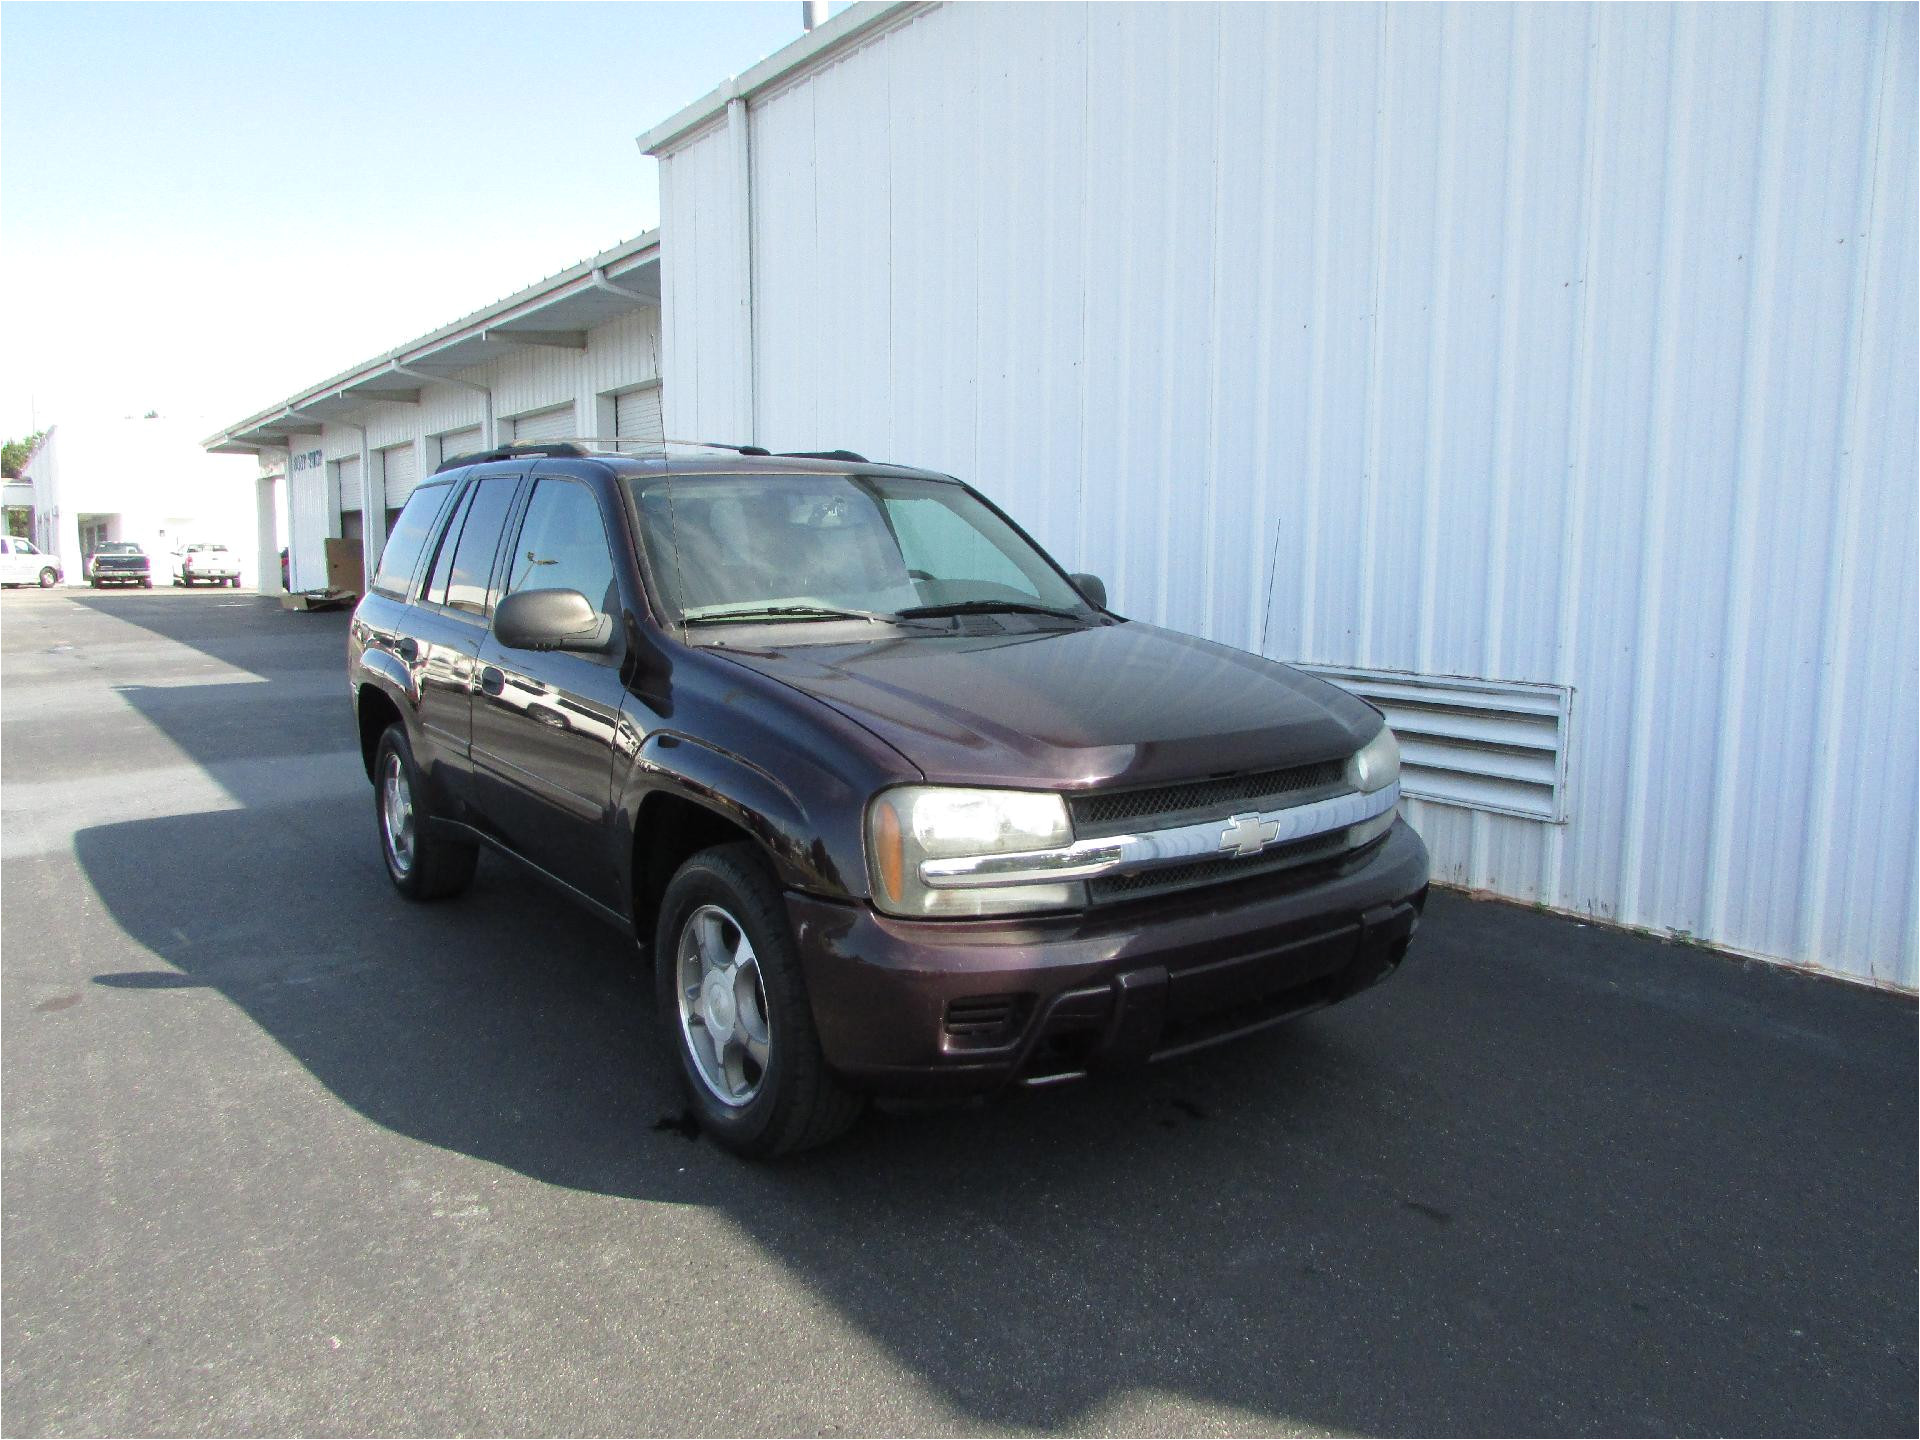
x: 119, y: 547
x: 198, y: 549
x: 767, y: 548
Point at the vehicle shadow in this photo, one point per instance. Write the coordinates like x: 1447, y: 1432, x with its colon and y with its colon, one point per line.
x: 1549, y: 1180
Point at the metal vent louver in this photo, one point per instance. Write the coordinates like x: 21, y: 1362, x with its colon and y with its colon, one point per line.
x: 1495, y: 745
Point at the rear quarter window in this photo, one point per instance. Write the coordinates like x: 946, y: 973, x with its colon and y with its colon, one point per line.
x: 409, y: 537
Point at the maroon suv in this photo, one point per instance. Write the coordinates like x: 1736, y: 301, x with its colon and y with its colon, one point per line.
x: 900, y: 806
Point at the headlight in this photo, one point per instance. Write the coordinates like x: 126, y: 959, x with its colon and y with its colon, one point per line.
x: 934, y: 822
x: 1376, y: 765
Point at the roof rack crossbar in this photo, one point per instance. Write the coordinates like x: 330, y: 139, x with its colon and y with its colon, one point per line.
x: 850, y: 455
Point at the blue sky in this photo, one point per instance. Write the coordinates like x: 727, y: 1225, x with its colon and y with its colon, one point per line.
x: 204, y: 207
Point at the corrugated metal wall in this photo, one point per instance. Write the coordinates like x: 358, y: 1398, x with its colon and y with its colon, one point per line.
x: 699, y: 293
x: 1540, y: 343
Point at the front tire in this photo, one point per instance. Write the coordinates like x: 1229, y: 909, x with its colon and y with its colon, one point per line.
x: 48, y: 579
x: 423, y: 864
x: 733, y: 1005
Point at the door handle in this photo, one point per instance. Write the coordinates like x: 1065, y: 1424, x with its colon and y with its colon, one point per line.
x: 492, y: 680
x: 407, y: 649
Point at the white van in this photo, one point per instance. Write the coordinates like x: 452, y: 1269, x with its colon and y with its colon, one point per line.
x: 21, y: 563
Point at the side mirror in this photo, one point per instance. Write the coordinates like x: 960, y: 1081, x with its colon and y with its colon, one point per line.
x: 551, y: 620
x: 1093, y: 588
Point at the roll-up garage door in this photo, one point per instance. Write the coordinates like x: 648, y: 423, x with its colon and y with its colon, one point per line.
x: 401, y: 472
x: 350, y: 484
x: 636, y: 416
x: 555, y: 424
x: 459, y: 442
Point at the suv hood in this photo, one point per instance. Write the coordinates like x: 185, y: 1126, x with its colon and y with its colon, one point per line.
x: 1126, y: 703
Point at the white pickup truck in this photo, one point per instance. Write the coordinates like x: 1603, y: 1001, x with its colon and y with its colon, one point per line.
x: 205, y: 564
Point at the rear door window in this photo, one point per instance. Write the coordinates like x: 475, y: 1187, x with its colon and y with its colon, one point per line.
x: 436, y: 590
x: 473, y: 557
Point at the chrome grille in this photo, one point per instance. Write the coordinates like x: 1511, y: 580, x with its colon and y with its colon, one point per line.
x: 1105, y: 812
x: 1216, y: 872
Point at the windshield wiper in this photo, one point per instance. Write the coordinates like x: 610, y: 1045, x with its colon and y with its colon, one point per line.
x: 988, y: 607
x: 781, y: 612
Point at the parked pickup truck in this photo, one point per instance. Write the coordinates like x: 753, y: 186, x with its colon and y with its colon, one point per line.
x: 205, y: 564
x: 901, y: 806
x: 120, y: 562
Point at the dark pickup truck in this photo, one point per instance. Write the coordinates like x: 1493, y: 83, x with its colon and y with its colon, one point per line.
x: 120, y: 562
x: 895, y: 804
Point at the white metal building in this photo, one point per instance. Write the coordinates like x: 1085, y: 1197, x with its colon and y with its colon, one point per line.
x: 576, y: 355
x: 144, y: 479
x: 1545, y: 372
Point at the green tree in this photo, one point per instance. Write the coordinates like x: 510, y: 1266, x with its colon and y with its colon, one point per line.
x: 14, y: 454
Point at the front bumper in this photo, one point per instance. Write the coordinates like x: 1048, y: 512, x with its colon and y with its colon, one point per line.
x: 959, y: 1006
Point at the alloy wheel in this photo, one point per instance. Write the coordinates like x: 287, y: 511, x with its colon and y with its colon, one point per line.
x: 396, y: 814
x: 723, y: 1005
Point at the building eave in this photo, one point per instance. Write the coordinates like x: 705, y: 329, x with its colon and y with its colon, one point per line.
x: 601, y: 288
x: 813, y: 48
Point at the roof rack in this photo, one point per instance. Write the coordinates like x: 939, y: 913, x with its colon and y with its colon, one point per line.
x: 723, y: 445
x: 548, y: 449
x: 848, y: 455
x: 852, y: 455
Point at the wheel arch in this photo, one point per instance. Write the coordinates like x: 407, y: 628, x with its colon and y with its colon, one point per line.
x: 670, y: 828
x: 374, y: 710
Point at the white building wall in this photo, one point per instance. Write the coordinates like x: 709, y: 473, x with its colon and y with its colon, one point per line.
x: 700, y: 293
x: 621, y: 353
x: 1545, y: 343
x: 151, y: 476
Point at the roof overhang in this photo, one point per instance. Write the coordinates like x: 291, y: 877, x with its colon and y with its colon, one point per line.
x: 811, y: 49
x: 557, y: 312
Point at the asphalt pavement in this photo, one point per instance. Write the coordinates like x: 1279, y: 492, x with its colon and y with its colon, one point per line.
x: 284, y: 1153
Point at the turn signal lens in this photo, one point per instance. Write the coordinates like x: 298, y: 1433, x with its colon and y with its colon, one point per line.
x: 889, y: 861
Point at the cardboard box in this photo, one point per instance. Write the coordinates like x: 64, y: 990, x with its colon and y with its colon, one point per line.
x: 345, y: 570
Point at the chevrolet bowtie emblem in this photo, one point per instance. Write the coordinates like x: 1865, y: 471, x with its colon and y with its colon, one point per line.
x: 1248, y: 834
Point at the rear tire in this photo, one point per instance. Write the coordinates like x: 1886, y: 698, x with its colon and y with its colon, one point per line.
x: 146, y: 584
x: 422, y: 863
x: 789, y: 1100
